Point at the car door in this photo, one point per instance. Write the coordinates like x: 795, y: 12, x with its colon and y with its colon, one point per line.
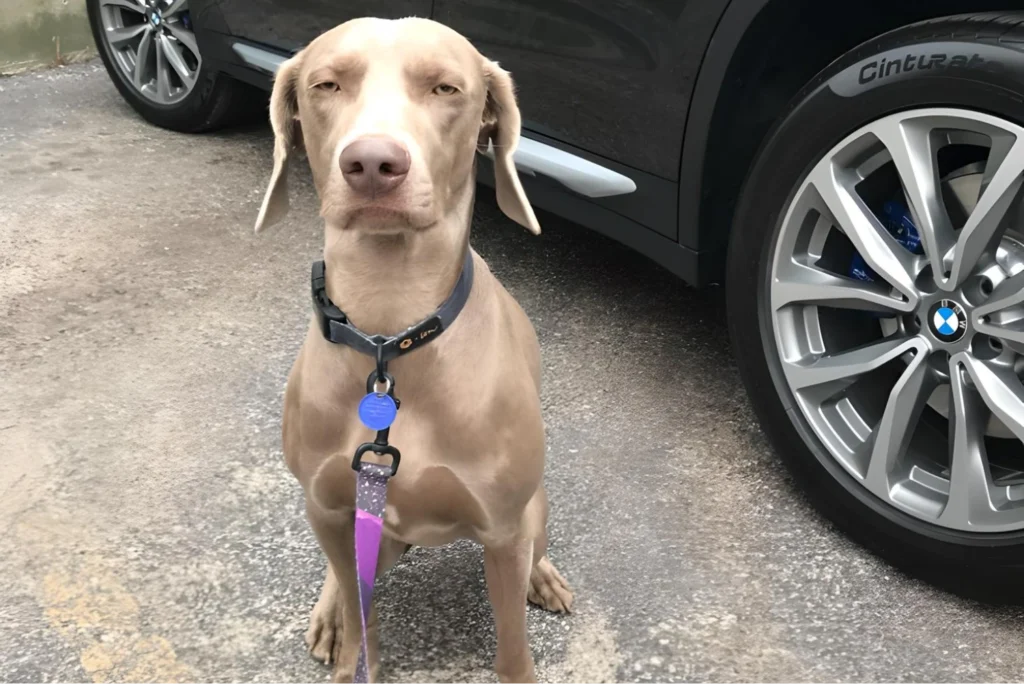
x: 291, y: 24
x: 612, y: 77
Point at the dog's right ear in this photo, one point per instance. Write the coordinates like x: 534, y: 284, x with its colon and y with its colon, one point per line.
x: 284, y: 117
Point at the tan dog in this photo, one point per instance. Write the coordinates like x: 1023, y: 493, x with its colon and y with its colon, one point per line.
x: 391, y: 114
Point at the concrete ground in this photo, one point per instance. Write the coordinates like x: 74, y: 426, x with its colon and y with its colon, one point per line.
x: 150, y: 531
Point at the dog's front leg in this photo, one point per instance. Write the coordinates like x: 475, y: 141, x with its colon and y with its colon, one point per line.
x: 325, y: 622
x: 336, y: 534
x: 507, y: 570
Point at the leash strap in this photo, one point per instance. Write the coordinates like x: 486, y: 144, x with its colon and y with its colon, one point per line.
x: 371, y: 496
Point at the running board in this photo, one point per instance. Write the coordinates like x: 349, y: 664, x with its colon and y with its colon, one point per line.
x: 532, y: 157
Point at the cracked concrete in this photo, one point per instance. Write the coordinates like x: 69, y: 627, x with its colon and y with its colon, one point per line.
x: 149, y: 530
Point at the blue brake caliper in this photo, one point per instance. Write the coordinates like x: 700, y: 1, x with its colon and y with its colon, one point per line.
x: 896, y: 219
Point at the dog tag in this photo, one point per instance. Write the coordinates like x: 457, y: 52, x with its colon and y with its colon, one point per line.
x: 377, y: 411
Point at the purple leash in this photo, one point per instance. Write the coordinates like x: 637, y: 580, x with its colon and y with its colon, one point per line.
x: 377, y: 411
x: 371, y: 495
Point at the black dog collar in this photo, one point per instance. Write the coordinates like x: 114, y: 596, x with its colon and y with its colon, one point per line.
x: 336, y: 328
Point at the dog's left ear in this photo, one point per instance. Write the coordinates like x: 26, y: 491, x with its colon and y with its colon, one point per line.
x: 284, y: 112
x: 500, y: 127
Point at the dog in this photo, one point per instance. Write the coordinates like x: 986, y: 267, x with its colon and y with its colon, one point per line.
x: 391, y: 114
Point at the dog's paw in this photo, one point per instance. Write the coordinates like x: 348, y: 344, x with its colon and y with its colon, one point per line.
x: 323, y: 638
x: 346, y: 675
x: 548, y: 589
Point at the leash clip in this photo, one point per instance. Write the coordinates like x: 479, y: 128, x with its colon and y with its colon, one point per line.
x: 389, y: 385
x: 380, y: 450
x: 386, y: 378
x: 380, y: 374
x: 382, y: 365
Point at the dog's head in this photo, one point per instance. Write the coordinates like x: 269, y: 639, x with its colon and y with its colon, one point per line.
x: 391, y: 114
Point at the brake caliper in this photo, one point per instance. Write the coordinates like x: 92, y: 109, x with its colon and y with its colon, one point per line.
x: 897, y: 220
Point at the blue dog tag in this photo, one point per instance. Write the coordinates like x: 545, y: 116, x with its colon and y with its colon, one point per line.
x: 377, y: 411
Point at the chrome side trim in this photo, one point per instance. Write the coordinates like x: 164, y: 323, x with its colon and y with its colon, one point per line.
x: 261, y: 59
x: 576, y: 173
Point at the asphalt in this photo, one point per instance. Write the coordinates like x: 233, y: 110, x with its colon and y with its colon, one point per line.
x: 150, y: 531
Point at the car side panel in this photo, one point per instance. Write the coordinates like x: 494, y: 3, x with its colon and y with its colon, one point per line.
x: 291, y: 24
x: 612, y: 77
x: 734, y: 23
x: 629, y: 107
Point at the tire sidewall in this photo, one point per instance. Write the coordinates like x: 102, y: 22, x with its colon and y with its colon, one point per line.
x: 189, y: 114
x: 841, y: 100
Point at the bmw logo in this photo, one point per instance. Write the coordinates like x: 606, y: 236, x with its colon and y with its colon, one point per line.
x: 948, y: 320
x: 155, y: 18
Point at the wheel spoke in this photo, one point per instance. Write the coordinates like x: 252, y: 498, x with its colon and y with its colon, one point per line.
x: 903, y: 410
x: 175, y: 7
x: 798, y: 282
x: 970, y: 498
x: 125, y: 4
x: 184, y: 36
x: 842, y: 369
x: 142, y: 56
x: 1001, y: 390
x: 909, y: 143
x: 119, y: 37
x: 163, y: 71
x: 174, y: 58
x: 1002, y: 143
x: 986, y: 224
x: 1009, y: 294
x: 880, y: 249
x: 1012, y: 332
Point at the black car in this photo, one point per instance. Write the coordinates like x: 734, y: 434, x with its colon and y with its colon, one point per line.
x: 851, y: 172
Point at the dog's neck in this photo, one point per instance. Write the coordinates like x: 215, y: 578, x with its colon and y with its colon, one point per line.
x: 387, y: 282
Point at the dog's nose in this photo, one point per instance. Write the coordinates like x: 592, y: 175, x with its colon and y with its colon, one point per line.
x: 374, y: 166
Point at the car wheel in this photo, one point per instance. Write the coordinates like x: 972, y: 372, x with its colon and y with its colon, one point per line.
x: 150, y: 50
x: 876, y: 298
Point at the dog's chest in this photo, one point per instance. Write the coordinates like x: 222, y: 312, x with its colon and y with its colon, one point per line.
x: 433, y: 505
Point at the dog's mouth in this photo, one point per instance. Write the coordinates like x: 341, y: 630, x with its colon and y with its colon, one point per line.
x: 384, y: 219
x: 375, y: 211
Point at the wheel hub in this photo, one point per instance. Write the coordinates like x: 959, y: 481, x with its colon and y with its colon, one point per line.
x: 947, y: 321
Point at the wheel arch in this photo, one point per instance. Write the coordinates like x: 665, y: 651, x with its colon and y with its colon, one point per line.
x: 760, y: 56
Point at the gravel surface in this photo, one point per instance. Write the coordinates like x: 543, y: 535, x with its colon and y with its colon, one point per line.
x: 150, y: 531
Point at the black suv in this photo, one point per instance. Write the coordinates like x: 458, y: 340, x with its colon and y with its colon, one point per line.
x: 851, y: 171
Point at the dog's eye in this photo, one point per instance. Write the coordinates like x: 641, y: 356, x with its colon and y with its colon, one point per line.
x: 328, y: 86
x: 445, y: 89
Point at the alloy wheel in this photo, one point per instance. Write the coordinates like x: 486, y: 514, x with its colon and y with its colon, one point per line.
x: 900, y: 332
x: 154, y: 46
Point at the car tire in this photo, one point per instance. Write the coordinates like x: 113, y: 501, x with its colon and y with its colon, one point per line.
x: 214, y: 101
x: 987, y: 77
